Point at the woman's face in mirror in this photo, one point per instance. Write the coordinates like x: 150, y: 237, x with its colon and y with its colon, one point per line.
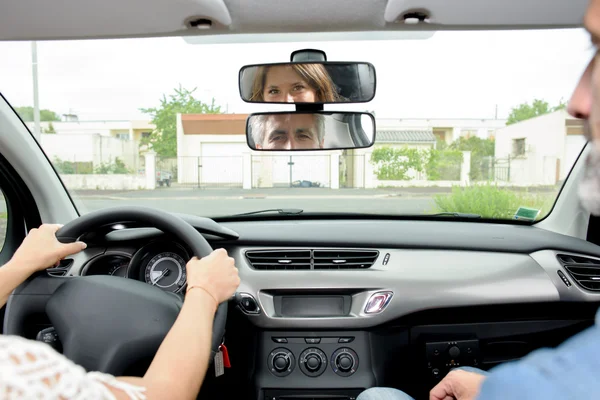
x: 284, y: 85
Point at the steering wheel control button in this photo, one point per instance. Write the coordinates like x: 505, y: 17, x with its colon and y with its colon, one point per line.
x: 50, y: 337
x: 345, y: 339
x: 378, y: 302
x: 312, y: 340
x: 281, y: 362
x: 313, y: 362
x: 280, y: 340
x: 344, y: 361
x: 247, y: 303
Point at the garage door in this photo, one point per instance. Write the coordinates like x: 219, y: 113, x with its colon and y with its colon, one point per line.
x: 222, y: 164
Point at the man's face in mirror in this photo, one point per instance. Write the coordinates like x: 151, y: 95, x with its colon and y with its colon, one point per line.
x: 290, y: 132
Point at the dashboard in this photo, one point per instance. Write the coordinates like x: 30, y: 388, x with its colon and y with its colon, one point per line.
x: 337, y: 306
x: 161, y: 263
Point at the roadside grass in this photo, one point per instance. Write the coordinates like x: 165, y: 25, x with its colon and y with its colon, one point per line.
x: 491, y: 201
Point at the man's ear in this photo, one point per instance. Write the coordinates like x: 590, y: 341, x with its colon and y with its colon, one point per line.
x: 258, y: 146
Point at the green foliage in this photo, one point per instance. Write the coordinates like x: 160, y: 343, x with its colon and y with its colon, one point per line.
x: 116, y: 167
x: 527, y: 111
x: 394, y: 163
x: 163, y: 140
x: 50, y: 129
x: 444, y: 165
x: 26, y: 114
x: 69, y: 167
x: 479, y: 148
x: 491, y: 201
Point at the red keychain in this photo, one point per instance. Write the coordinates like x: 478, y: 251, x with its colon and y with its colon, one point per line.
x: 226, y: 362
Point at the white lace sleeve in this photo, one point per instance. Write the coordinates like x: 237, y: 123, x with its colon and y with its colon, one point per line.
x: 34, y: 370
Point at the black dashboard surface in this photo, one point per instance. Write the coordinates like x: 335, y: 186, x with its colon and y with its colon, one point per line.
x: 409, y: 234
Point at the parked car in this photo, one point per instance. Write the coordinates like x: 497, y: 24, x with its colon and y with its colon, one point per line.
x: 163, y: 178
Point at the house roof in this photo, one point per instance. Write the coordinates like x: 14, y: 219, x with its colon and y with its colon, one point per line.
x: 405, y: 136
x: 214, y: 124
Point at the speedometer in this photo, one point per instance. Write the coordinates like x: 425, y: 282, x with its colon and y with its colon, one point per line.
x: 166, y: 271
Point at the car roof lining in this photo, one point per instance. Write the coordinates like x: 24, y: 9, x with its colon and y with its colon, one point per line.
x: 82, y: 19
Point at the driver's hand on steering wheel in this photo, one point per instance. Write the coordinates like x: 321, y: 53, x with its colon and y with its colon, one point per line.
x: 40, y: 249
x: 216, y: 274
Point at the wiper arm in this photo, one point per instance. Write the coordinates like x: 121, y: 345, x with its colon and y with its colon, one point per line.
x: 281, y: 211
x: 456, y: 214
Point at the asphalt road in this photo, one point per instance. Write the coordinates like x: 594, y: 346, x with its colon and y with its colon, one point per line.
x: 226, y: 202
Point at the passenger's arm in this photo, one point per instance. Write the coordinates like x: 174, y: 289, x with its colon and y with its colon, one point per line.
x: 566, y: 372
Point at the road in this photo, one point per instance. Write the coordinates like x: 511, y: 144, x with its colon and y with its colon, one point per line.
x: 231, y: 201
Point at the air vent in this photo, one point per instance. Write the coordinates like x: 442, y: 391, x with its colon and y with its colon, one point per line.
x: 311, y: 259
x: 585, y: 271
x: 344, y: 259
x: 61, y: 270
x: 279, y: 259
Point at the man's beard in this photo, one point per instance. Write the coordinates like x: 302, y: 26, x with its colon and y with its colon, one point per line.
x: 589, y: 187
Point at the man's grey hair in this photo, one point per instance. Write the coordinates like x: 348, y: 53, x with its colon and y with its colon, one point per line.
x: 259, y: 124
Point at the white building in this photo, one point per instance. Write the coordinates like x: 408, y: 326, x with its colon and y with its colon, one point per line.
x: 447, y: 129
x: 541, y: 150
x: 124, y: 130
x: 89, y: 144
x: 212, y: 151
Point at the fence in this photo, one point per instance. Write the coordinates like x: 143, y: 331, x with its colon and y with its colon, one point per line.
x: 353, y: 170
x: 291, y: 171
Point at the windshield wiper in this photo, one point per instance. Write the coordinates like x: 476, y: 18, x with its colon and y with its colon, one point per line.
x: 456, y: 214
x: 281, y: 211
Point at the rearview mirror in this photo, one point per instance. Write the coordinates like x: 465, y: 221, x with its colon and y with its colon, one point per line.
x: 300, y: 131
x: 314, y: 82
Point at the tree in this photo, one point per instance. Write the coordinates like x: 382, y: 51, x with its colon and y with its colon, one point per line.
x: 50, y: 128
x: 26, y: 114
x: 480, y: 150
x: 537, y: 107
x: 163, y: 140
x: 394, y: 163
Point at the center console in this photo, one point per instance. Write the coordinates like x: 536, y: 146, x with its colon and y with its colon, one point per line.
x: 305, y: 365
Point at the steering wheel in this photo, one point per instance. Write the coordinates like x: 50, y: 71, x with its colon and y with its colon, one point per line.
x: 107, y: 323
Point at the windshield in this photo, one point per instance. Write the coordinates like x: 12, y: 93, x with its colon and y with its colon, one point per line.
x: 466, y: 122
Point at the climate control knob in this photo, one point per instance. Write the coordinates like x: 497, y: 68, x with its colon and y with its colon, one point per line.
x: 344, y: 361
x: 313, y: 362
x: 281, y: 362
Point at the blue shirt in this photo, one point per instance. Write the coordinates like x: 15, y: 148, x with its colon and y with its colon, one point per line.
x: 570, y: 371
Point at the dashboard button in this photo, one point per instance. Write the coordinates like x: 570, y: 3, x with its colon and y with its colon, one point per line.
x: 312, y: 340
x: 247, y: 303
x: 378, y: 302
x: 345, y: 339
x: 280, y: 340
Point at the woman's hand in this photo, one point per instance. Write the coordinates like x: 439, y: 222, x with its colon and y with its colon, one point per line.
x: 41, y: 249
x: 215, y: 273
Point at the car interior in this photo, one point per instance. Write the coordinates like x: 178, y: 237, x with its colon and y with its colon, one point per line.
x: 330, y: 303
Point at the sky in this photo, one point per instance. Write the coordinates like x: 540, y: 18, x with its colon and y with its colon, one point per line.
x: 450, y: 75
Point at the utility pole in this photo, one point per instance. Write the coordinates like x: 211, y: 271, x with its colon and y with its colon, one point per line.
x: 36, y: 99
